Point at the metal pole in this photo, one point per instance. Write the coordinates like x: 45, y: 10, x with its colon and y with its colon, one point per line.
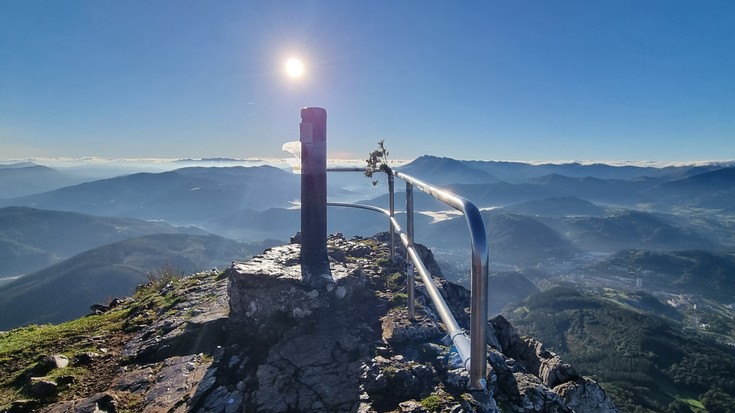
x: 391, y: 192
x: 313, y: 137
x: 478, y: 307
x: 409, y: 228
x: 480, y: 259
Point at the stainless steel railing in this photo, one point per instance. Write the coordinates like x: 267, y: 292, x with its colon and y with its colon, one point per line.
x: 472, y: 350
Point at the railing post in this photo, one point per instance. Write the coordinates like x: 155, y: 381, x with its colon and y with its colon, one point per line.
x: 409, y: 229
x: 478, y: 306
x: 392, y: 198
x: 313, y: 137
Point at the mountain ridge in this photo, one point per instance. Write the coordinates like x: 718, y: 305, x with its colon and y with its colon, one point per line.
x: 31, y: 238
x: 66, y: 290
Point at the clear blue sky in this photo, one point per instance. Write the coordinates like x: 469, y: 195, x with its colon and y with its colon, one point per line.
x: 504, y: 80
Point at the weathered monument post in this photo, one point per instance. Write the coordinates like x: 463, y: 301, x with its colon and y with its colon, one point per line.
x: 313, y: 137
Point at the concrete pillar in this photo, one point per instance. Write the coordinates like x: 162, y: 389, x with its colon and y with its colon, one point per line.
x: 313, y: 137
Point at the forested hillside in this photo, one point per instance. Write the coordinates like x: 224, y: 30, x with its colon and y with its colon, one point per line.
x: 646, y: 363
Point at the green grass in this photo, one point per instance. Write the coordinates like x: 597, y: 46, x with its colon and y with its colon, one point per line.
x: 695, y: 404
x: 432, y: 403
x: 399, y: 300
x: 396, y: 281
x: 20, y: 348
x: 33, y: 340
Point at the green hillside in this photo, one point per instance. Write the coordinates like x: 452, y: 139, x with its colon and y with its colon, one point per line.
x: 67, y: 289
x: 646, y: 363
x: 32, y: 239
x: 709, y: 274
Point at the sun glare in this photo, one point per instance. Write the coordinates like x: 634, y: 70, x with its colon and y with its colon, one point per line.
x: 294, y: 68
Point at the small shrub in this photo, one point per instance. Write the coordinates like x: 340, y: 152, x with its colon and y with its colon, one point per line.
x: 396, y: 281
x: 377, y: 161
x: 399, y: 300
x: 162, y: 277
x: 432, y: 403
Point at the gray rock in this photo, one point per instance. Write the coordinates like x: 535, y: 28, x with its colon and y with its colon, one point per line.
x: 42, y: 387
x: 398, y: 329
x: 572, y: 391
x: 23, y: 406
x: 533, y: 396
x: 49, y: 363
x: 198, y: 328
x: 585, y: 395
x: 411, y: 406
x: 175, y: 383
x: 135, y: 381
x: 84, y: 359
x: 105, y: 402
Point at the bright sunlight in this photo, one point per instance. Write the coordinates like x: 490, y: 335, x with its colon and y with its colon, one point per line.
x: 294, y: 68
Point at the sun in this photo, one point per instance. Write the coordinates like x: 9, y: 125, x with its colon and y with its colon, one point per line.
x: 294, y: 68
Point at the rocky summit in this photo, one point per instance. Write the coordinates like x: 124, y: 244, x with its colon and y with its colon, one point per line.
x: 259, y: 338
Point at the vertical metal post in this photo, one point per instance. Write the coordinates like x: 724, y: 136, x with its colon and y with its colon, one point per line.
x: 409, y: 229
x: 478, y: 307
x: 391, y: 196
x: 313, y: 137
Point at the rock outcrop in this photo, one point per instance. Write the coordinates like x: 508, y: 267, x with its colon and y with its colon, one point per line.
x: 260, y: 339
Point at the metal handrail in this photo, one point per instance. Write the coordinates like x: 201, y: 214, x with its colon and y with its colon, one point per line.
x: 472, y: 351
x: 480, y: 257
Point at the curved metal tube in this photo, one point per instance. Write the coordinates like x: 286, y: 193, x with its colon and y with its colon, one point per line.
x: 467, y: 348
x: 480, y: 258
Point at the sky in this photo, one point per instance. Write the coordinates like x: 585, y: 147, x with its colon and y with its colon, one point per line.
x: 622, y: 80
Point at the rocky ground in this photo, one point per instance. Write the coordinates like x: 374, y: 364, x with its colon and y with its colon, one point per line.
x: 259, y: 338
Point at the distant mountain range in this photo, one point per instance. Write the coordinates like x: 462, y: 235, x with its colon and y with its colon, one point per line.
x: 521, y: 172
x: 708, y: 274
x: 66, y: 290
x: 557, y: 207
x: 184, y: 196
x: 31, y: 239
x: 628, y: 229
x: 443, y: 171
x: 26, y: 178
x: 513, y: 239
x: 713, y: 189
x: 489, y: 183
x: 534, y: 213
x: 572, y: 201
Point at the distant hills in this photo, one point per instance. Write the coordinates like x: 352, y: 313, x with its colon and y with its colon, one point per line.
x: 645, y: 362
x: 550, y: 216
x: 705, y: 273
x: 491, y: 183
x: 628, y: 229
x: 26, y: 178
x: 713, y: 189
x: 31, y: 239
x: 443, y: 171
x: 513, y: 238
x: 549, y: 211
x: 520, y: 172
x: 524, y: 240
x: 184, y: 196
x: 557, y: 207
x: 66, y: 290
